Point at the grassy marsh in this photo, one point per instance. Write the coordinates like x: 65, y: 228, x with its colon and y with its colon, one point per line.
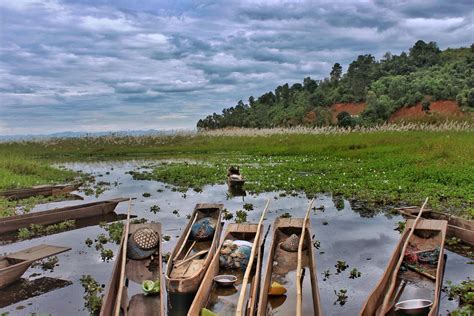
x: 377, y: 166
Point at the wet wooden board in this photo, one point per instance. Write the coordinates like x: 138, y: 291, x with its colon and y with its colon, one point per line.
x: 37, y: 252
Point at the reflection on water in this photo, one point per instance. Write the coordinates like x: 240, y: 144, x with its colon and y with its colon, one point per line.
x: 365, y: 243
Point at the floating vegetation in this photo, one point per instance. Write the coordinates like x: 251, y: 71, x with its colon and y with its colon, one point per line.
x: 155, y: 209
x: 115, y: 231
x: 226, y: 215
x: 138, y: 220
x: 326, y: 274
x: 453, y: 241
x: 146, y: 194
x: 341, y: 297
x: 166, y: 237
x: 89, y: 242
x: 93, y: 294
x: 46, y: 264
x: 400, y: 226
x: 165, y: 256
x: 36, y: 230
x: 316, y: 244
x: 176, y: 212
x: 248, y: 206
x: 463, y: 291
x: 285, y: 215
x: 240, y: 216
x: 341, y: 266
x: 106, y: 254
x: 354, y: 274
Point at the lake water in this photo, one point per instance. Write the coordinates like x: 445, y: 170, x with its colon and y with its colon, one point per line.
x: 364, y: 241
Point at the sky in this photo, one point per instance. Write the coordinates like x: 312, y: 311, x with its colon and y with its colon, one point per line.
x: 103, y: 65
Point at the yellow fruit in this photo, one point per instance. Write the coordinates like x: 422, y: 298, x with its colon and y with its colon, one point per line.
x: 276, y: 289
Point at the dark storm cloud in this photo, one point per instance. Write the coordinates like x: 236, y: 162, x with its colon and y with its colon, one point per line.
x: 103, y: 65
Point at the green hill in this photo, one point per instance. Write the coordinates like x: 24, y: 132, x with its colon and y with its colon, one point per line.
x: 424, y: 74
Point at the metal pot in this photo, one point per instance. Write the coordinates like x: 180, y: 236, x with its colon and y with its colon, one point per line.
x: 413, y: 307
x: 225, y: 279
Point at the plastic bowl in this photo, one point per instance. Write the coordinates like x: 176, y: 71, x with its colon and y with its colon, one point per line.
x: 225, y: 279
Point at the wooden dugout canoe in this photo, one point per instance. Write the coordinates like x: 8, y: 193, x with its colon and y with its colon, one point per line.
x: 136, y: 271
x: 282, y: 264
x: 13, y: 266
x: 187, y: 277
x: 40, y: 190
x: 203, y: 296
x: 457, y: 226
x: 435, y: 233
x: 12, y: 223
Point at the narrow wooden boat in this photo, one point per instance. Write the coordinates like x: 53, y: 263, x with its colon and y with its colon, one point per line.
x: 40, y: 190
x: 281, y: 267
x: 223, y: 300
x: 13, y: 266
x: 132, y: 301
x: 234, y: 178
x: 190, y: 258
x: 458, y: 227
x: 12, y: 223
x: 425, y: 284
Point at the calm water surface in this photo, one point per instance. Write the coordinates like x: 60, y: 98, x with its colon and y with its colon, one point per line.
x: 365, y: 243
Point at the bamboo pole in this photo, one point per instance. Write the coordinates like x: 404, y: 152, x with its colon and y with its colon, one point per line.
x: 192, y: 257
x: 299, y: 295
x: 243, y: 289
x: 386, y: 301
x: 118, y: 300
x: 189, y: 250
x: 186, y: 238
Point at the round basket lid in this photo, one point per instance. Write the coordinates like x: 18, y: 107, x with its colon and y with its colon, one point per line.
x: 146, y: 238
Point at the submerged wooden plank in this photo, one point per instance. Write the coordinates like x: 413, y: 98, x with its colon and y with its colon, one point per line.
x: 37, y: 252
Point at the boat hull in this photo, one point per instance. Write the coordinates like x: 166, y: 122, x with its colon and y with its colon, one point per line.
x: 13, y: 223
x: 457, y: 227
x: 233, y: 232
x: 136, y: 271
x: 47, y: 190
x: 375, y: 300
x: 282, y: 228
x: 191, y: 284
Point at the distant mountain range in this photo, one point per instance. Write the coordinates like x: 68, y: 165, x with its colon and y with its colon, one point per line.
x: 68, y: 134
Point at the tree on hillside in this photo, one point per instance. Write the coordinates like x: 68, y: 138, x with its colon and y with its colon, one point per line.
x: 344, y: 119
x: 361, y: 71
x: 336, y: 72
x: 423, y: 54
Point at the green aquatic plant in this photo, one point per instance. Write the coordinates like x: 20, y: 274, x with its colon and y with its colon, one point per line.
x: 240, y: 216
x: 47, y: 263
x: 35, y: 230
x: 248, y: 206
x: 341, y: 265
x: 92, y: 294
x: 155, y: 209
x: 341, y: 297
x: 354, y: 274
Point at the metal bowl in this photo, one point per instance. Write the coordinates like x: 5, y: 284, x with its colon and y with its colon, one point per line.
x: 225, y: 279
x: 413, y: 307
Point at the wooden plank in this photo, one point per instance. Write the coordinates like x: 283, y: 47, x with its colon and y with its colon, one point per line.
x: 37, y: 252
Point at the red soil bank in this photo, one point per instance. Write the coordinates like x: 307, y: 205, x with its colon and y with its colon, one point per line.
x: 446, y: 108
x: 353, y: 109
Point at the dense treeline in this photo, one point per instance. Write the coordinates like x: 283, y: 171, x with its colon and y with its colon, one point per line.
x: 423, y: 74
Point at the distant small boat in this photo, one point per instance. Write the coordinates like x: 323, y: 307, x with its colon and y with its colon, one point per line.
x: 13, y: 266
x: 136, y: 271
x: 39, y: 190
x: 202, y: 299
x: 458, y: 227
x: 281, y: 264
x: 190, y: 258
x: 234, y: 178
x: 13, y: 223
x: 428, y: 235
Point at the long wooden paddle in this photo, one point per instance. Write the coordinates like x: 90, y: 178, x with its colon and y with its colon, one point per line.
x: 123, y: 262
x: 243, y: 288
x: 299, y: 294
x: 386, y: 301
